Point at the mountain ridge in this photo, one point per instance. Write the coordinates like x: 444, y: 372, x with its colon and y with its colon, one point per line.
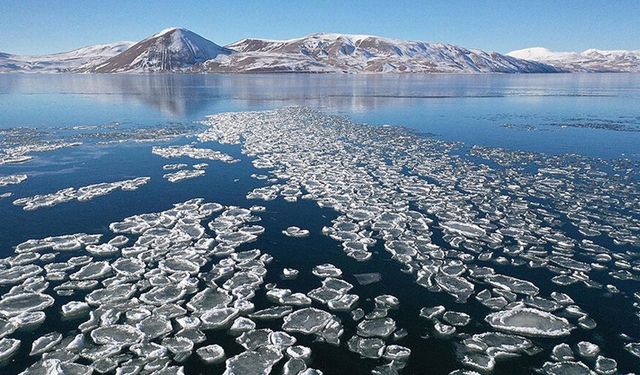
x: 589, y: 60
x: 180, y: 50
x: 62, y: 62
x: 331, y: 52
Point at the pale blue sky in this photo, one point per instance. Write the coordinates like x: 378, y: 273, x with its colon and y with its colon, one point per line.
x: 44, y: 26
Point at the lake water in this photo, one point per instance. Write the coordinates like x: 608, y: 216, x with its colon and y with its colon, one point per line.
x: 468, y: 108
x: 595, y: 117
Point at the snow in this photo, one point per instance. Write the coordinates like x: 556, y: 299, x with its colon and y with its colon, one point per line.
x: 173, y: 49
x: 332, y: 52
x: 590, y: 60
x: 180, y: 50
x: 63, y: 61
x: 166, y: 31
x: 537, y: 54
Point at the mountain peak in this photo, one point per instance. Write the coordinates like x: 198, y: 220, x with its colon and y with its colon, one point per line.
x: 167, y: 31
x: 172, y: 49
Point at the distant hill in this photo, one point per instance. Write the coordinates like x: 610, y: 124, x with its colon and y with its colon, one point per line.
x: 591, y: 60
x: 62, y: 62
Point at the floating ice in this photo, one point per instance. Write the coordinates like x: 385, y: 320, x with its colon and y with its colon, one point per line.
x: 382, y: 327
x: 8, y: 347
x: 432, y: 312
x: 212, y: 354
x: 440, y: 217
x: 512, y: 284
x: 368, y: 278
x: 457, y: 319
x: 253, y: 362
x: 191, y: 152
x: 128, y: 267
x: 565, y: 368
x: 345, y: 303
x: 218, y: 318
x: 81, y: 194
x: 209, y: 298
x: 562, y: 352
x: 295, y: 232
x: 117, y: 334
x: 183, y: 175
x: 289, y: 273
x: 327, y: 270
x: 587, y: 349
x: 465, y: 229
x: 17, y: 274
x: 21, y: 153
x: 175, y: 264
x: 271, y: 313
x: 367, y: 347
x: 16, y: 304
x: 458, y: 287
x: 12, y: 179
x: 45, y: 343
x: 529, y: 322
x: 308, y: 320
x: 113, y: 293
x: 92, y: 271
x: 200, y: 166
x: 169, y: 167
x: 154, y: 327
x: 606, y: 365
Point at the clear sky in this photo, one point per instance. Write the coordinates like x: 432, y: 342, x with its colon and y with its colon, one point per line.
x: 45, y: 26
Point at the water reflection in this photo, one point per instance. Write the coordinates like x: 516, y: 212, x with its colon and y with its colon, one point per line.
x: 513, y: 111
x: 186, y: 95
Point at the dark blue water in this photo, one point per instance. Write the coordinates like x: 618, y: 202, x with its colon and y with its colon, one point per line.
x: 543, y: 113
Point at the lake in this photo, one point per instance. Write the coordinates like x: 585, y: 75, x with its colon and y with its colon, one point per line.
x: 531, y: 176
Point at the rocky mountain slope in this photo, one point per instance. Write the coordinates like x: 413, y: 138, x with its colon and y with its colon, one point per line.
x: 365, y: 53
x: 170, y: 50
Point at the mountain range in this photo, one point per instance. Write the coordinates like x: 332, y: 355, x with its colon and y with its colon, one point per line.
x: 76, y: 60
x: 591, y: 60
x: 181, y: 50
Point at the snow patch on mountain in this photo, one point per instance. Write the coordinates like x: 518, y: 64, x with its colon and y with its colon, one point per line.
x: 173, y: 49
x: 64, y: 61
x: 180, y: 50
x: 331, y: 52
x: 590, y: 60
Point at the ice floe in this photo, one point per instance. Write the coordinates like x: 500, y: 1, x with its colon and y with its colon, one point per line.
x: 12, y: 179
x: 81, y: 194
x: 183, y: 175
x: 152, y: 295
x: 529, y: 322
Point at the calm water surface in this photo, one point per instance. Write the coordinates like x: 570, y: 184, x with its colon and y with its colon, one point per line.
x: 470, y: 108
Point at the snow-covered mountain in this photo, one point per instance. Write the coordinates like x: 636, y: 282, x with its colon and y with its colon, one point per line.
x: 173, y: 49
x: 591, y: 60
x: 181, y: 50
x: 364, y: 53
x: 62, y: 62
